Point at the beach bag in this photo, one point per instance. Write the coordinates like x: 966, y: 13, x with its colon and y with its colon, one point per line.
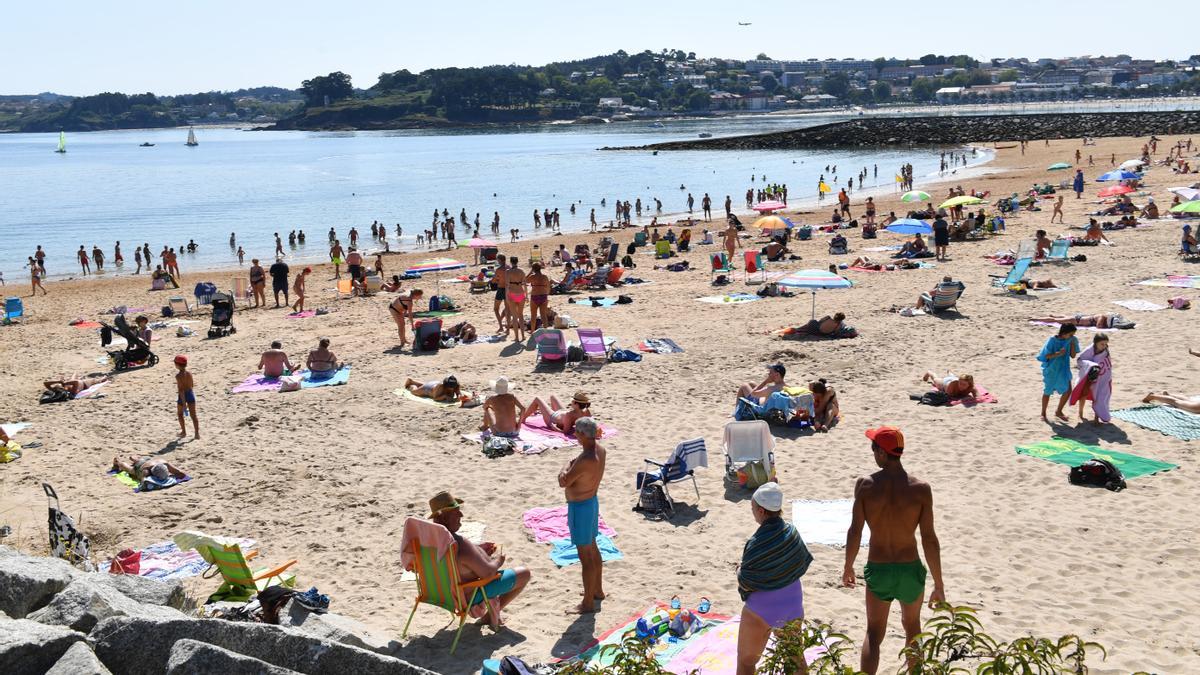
x: 624, y: 300
x: 574, y: 353
x: 106, y: 336
x: 935, y: 398
x: 1121, y: 322
x: 627, y: 261
x: 653, y: 501
x: 497, y: 446
x: 1100, y: 472
x: 620, y: 355
x: 167, y: 311
x: 685, y: 624
x: 445, y: 304
x: 511, y: 665
x: 289, y: 383
x: 55, y: 396
x: 66, y: 541
x: 128, y: 561
x: 753, y: 475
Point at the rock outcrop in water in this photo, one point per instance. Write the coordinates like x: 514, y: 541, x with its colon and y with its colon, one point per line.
x: 915, y: 131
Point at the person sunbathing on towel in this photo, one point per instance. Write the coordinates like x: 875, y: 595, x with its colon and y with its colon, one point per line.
x: 826, y: 325
x: 762, y: 391
x: 479, y: 561
x: 73, y: 384
x: 446, y: 391
x: 1187, y: 404
x: 321, y: 362
x: 501, y: 412
x: 555, y: 416
x: 274, y: 362
x: 140, y: 468
x: 866, y: 263
x: 954, y: 386
x: 1084, y: 320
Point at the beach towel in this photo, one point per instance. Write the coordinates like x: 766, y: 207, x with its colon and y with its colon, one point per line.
x: 659, y: 346
x: 598, y: 302
x: 1173, y: 281
x: 14, y: 428
x: 1139, y: 305
x: 341, y: 376
x: 10, y: 452
x: 1055, y: 325
x: 165, y: 561
x: 549, y: 524
x: 91, y: 391
x: 148, y: 484
x: 564, y: 553
x: 825, y: 522
x: 467, y: 529
x: 534, y: 438
x: 485, y: 340
x: 1073, y: 453
x: 308, y: 313
x: 437, y: 313
x: 86, y: 324
x: 812, y: 330
x: 971, y: 401
x: 1163, y: 419
x: 1047, y: 291
x: 406, y: 394
x: 538, y: 426
x: 731, y: 299
x: 881, y: 249
x: 256, y: 382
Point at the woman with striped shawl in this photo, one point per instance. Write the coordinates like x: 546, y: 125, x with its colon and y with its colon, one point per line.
x: 773, y: 561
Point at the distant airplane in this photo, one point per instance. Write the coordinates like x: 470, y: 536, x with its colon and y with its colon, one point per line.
x: 743, y: 24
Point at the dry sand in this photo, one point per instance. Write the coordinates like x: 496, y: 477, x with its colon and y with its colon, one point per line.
x: 327, y: 475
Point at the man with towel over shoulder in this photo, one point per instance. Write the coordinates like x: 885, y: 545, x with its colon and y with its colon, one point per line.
x: 773, y: 561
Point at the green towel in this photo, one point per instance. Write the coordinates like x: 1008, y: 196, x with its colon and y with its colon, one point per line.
x: 437, y: 314
x: 126, y: 479
x: 1163, y: 419
x: 1072, y: 453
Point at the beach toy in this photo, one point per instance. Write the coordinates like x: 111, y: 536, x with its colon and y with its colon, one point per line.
x: 676, y: 606
x: 490, y: 667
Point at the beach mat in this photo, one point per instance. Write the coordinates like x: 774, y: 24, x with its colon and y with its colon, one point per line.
x: 165, y: 561
x: 659, y: 346
x: 256, y: 382
x: 1088, y: 328
x: 406, y: 394
x: 598, y: 302
x: 341, y: 376
x: 1173, y: 281
x: 549, y: 524
x: 1139, y: 305
x: 564, y: 553
x: 535, y: 438
x: 984, y: 396
x: 1073, y: 453
x: 434, y: 314
x: 731, y: 299
x: 1163, y: 419
x: 152, y: 483
x: 825, y: 522
x: 597, y: 658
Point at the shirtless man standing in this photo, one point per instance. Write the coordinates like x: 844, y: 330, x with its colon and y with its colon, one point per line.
x: 730, y: 235
x: 539, y: 297
x: 500, y: 283
x: 335, y: 256
x: 580, y: 479
x: 274, y: 362
x: 893, y: 504
x: 501, y: 412
x: 514, y: 299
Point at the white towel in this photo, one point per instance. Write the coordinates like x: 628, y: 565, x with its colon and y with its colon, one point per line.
x: 1139, y: 305
x: 825, y: 522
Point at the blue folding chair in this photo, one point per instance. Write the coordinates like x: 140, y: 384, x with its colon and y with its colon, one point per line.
x: 1059, y: 250
x: 13, y: 309
x: 681, y: 465
x: 1015, y: 274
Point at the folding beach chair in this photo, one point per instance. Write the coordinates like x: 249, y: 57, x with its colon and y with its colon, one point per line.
x: 746, y: 442
x: 945, y: 297
x: 436, y: 565
x: 14, y: 308
x: 613, y: 250
x: 345, y: 287
x: 66, y: 541
x: 720, y: 265
x: 755, y: 265
x: 241, y: 288
x: 239, y: 584
x: 680, y: 466
x: 535, y: 255
x: 1027, y: 248
x: 599, y: 278
x: 662, y: 249
x: 1059, y: 250
x: 639, y: 239
x: 551, y: 345
x: 179, y: 305
x: 1014, y: 275
x: 595, y: 351
x: 614, y: 276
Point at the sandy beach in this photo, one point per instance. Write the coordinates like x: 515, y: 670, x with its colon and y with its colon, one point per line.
x: 327, y: 475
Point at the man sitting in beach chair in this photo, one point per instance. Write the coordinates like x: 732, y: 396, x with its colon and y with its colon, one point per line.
x: 662, y: 249
x: 838, y: 245
x: 944, y: 296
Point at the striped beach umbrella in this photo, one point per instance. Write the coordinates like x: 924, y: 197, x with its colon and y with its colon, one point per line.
x: 769, y: 206
x: 435, y: 265
x: 813, y: 280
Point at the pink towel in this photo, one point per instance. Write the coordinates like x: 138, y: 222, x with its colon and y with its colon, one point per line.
x: 302, y: 315
x: 256, y: 382
x: 550, y: 524
x: 428, y: 533
x: 538, y: 426
x: 984, y: 397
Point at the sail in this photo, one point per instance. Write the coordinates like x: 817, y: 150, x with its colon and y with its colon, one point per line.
x: 192, y: 137
x: 62, y: 141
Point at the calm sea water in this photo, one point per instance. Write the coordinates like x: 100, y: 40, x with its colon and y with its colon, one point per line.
x: 106, y: 188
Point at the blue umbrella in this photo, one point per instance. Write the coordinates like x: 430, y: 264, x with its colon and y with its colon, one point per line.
x: 909, y: 226
x: 1119, y: 174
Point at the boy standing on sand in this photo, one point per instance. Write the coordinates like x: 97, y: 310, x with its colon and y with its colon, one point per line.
x: 580, y: 479
x: 185, y: 388
x: 893, y: 504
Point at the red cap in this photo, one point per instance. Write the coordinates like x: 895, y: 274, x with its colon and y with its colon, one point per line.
x: 889, y: 439
x: 181, y: 360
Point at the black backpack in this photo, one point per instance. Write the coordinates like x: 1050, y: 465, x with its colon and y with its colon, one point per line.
x: 511, y: 665
x: 934, y: 398
x: 653, y: 501
x: 1099, y: 472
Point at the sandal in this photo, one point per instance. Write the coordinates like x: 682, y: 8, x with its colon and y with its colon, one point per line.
x: 704, y: 606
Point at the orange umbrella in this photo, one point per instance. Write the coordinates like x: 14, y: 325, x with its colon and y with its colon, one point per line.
x: 1116, y: 190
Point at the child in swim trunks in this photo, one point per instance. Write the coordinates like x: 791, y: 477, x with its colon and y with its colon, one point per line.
x: 186, y: 399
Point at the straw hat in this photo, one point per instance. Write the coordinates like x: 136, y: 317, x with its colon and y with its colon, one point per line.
x: 443, y: 501
x: 581, y: 398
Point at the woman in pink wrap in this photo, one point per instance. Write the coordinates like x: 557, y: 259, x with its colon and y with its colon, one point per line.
x: 1095, y: 379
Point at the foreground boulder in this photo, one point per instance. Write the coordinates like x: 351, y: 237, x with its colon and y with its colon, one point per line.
x: 91, y: 598
x: 190, y: 657
x: 337, y: 628
x: 27, y: 583
x: 138, y: 646
x: 79, y: 660
x: 28, y: 647
x: 144, y: 590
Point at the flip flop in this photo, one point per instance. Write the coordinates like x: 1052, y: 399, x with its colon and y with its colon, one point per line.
x: 705, y: 605
x: 675, y: 603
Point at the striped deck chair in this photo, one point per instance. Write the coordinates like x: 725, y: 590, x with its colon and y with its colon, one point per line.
x: 720, y: 264
x: 595, y: 349
x: 179, y: 305
x: 945, y: 297
x: 239, y: 583
x: 438, y: 582
x: 680, y: 466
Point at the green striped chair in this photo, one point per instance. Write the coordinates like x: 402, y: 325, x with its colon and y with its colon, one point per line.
x: 438, y: 584
x: 240, y: 584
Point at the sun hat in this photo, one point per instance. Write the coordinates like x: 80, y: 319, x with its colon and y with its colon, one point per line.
x: 769, y: 496
x: 581, y: 398
x: 443, y: 501
x: 889, y: 439
x: 499, y: 385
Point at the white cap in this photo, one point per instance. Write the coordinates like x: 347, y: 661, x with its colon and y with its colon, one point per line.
x: 500, y: 386
x: 769, y: 496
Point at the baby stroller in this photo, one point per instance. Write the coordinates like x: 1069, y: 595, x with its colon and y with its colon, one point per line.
x: 136, y: 353
x: 222, y: 316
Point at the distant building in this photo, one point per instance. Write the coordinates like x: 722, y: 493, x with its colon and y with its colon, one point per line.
x: 610, y: 102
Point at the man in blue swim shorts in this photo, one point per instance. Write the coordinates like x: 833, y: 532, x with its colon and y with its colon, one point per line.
x: 580, y: 478
x: 479, y: 561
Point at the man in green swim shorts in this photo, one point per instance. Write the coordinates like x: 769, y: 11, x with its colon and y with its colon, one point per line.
x: 893, y: 504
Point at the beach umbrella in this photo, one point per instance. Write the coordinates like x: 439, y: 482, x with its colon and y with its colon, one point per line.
x: 1186, y: 193
x: 769, y: 206
x: 964, y: 200
x: 910, y: 226
x: 1116, y: 190
x: 479, y: 242
x: 1132, y: 164
x: 1187, y: 207
x: 1058, y: 166
x: 773, y: 224
x: 812, y: 280
x: 915, y: 196
x: 1119, y: 174
x: 436, y: 265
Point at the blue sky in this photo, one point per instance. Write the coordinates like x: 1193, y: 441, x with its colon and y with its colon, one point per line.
x: 76, y: 47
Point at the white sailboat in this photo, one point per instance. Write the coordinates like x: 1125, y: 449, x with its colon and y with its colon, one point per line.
x: 62, y: 142
x: 191, y: 141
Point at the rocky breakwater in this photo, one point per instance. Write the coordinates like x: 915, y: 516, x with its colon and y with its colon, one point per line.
x: 950, y: 131
x: 57, y: 620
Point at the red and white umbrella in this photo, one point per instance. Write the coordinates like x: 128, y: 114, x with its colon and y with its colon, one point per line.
x: 1116, y: 190
x: 769, y: 206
